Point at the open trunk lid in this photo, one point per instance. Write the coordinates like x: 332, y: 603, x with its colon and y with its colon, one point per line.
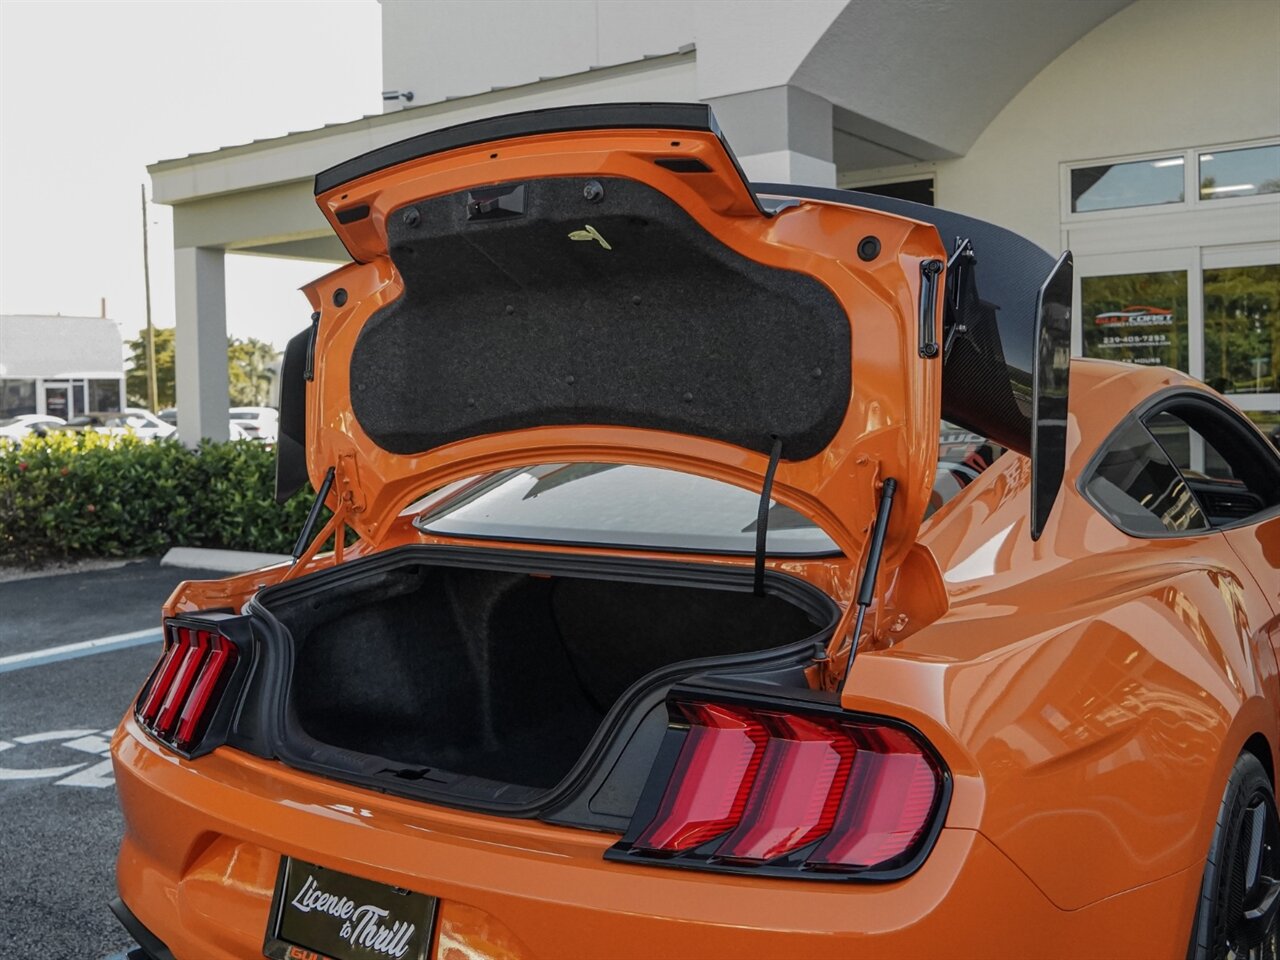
x: 600, y: 283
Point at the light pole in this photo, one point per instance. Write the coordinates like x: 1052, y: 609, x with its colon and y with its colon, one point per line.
x: 152, y: 395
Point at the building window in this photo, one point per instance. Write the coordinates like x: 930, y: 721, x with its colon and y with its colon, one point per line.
x: 1242, y: 329
x: 917, y: 191
x: 1240, y: 173
x: 17, y: 397
x: 1136, y: 317
x: 104, y: 395
x: 1137, y: 183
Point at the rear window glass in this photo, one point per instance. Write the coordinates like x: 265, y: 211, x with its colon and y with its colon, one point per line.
x: 615, y: 505
x: 1137, y: 486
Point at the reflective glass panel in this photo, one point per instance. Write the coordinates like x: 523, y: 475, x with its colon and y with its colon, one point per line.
x: 17, y: 397
x: 616, y: 505
x: 1136, y: 318
x: 104, y: 395
x: 1137, y: 183
x: 1242, y: 329
x: 1240, y: 173
x: 1142, y: 492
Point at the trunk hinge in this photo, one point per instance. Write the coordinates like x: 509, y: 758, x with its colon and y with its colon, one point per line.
x: 857, y: 611
x: 762, y: 514
x: 349, y: 490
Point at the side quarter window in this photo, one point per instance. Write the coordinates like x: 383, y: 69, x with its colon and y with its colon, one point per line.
x: 1232, y: 472
x: 1138, y: 488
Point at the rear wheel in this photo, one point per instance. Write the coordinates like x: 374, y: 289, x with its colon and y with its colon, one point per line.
x: 1238, y: 914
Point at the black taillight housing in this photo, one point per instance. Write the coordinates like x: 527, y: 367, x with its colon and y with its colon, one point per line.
x: 189, y: 700
x: 754, y: 779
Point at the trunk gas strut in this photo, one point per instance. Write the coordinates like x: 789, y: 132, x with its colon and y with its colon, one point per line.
x: 762, y: 514
x: 867, y: 589
x: 300, y: 547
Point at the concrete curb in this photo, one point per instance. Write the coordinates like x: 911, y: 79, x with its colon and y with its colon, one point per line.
x: 223, y: 561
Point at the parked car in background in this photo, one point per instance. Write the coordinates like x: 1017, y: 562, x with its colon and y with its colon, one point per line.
x: 143, y: 423
x: 239, y: 428
x: 264, y: 421
x: 15, y: 428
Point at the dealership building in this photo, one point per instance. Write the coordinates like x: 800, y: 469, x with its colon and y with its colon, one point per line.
x: 60, y: 366
x: 1144, y: 135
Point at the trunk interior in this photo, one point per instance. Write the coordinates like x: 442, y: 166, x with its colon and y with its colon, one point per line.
x: 500, y: 675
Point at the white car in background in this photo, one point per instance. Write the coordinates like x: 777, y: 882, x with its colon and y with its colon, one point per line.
x: 264, y: 420
x: 15, y: 428
x: 145, y: 424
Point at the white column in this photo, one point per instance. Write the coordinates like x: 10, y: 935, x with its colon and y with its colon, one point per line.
x: 201, y: 344
x: 780, y: 135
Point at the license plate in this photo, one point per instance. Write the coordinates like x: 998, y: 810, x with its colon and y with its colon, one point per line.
x: 321, y: 914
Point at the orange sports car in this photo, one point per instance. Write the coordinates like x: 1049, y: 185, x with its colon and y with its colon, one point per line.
x: 627, y: 458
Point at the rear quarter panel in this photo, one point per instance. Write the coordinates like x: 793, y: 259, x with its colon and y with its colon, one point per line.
x: 1090, y: 691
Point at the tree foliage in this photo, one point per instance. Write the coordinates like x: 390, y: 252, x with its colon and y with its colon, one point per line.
x: 250, y: 368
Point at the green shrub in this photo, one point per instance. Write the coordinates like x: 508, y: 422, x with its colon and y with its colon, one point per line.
x: 73, y: 495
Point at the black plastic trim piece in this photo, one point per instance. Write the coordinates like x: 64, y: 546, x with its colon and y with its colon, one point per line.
x: 742, y: 692
x: 351, y: 214
x: 291, y: 442
x: 930, y: 270
x: 682, y: 164
x: 152, y: 946
x: 278, y: 735
x: 597, y: 116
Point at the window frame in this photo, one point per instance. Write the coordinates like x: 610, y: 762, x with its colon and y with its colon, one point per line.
x: 1158, y: 403
x: 860, y: 182
x: 1191, y: 199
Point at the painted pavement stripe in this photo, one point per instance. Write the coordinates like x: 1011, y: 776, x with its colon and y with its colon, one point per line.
x: 69, y: 651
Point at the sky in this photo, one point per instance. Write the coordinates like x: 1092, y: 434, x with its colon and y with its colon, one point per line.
x: 90, y: 93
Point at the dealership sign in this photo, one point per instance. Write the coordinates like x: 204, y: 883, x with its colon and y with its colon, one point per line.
x: 1140, y: 334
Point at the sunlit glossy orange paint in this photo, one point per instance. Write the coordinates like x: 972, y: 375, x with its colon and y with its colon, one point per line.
x: 1088, y: 691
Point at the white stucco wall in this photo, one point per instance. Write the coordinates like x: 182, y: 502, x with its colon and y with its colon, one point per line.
x: 1159, y: 75
x: 453, y: 48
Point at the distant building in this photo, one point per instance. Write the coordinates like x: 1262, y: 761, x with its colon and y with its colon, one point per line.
x: 61, y: 366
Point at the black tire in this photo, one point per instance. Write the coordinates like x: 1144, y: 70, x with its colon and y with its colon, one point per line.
x: 1238, y: 912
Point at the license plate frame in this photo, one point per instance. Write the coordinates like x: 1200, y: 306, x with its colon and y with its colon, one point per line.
x: 317, y: 934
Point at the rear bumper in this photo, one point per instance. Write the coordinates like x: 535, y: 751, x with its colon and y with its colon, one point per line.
x: 203, y: 842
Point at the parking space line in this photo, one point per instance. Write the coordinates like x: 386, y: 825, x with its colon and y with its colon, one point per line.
x: 69, y: 651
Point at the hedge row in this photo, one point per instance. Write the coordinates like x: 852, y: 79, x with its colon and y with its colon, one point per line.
x: 72, y: 495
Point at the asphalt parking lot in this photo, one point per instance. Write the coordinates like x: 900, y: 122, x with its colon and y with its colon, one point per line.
x: 57, y: 710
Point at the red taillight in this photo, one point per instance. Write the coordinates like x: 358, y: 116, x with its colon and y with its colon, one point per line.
x: 886, y: 802
x: 713, y: 774
x: 185, y: 685
x: 779, y: 817
x: 183, y: 679
x: 222, y: 658
x: 756, y: 788
x: 163, y: 678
